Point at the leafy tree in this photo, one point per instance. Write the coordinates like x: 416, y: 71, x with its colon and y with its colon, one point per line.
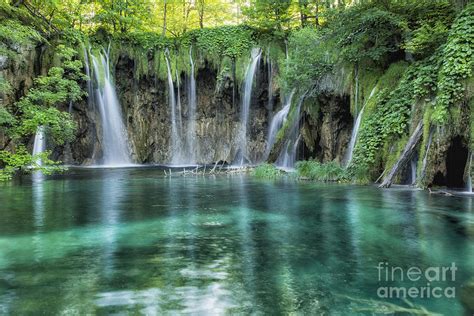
x: 124, y: 15
x: 308, y: 60
x: 366, y: 33
x: 268, y: 14
x: 39, y: 108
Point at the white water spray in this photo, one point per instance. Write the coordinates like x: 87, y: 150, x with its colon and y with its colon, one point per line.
x: 277, y: 122
x: 469, y: 179
x: 355, y: 130
x: 245, y: 108
x: 39, y: 145
x: 192, y: 105
x: 176, y: 145
x: 114, y: 135
x: 287, y: 156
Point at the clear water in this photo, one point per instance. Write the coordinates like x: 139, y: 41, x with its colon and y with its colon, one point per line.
x: 130, y: 240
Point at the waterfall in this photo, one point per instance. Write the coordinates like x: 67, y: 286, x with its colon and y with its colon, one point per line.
x: 179, y: 114
x: 413, y: 164
x: 352, y: 142
x: 176, y: 146
x: 469, y: 179
x: 355, y: 130
x: 277, y: 122
x: 39, y: 144
x: 287, y: 157
x: 425, y: 158
x: 114, y: 135
x: 270, y: 84
x: 90, y: 90
x: 245, y: 108
x: 192, y: 105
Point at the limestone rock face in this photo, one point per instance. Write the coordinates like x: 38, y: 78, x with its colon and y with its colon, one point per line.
x: 148, y: 115
x: 19, y: 73
x: 335, y: 123
x: 325, y: 120
x: 325, y: 128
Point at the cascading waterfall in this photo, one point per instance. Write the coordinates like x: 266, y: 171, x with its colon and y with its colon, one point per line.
x: 355, y: 131
x: 277, y: 122
x: 425, y: 158
x: 192, y: 105
x: 90, y: 90
x: 413, y: 164
x: 176, y: 145
x: 114, y: 135
x: 39, y: 144
x: 270, y: 84
x: 469, y: 179
x: 179, y: 114
x: 245, y: 108
x: 287, y: 157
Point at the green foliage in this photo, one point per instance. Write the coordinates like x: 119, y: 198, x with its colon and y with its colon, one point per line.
x: 6, y: 119
x: 366, y: 33
x: 14, y: 35
x: 308, y: 60
x: 266, y: 171
x: 427, y: 23
x: 457, y: 64
x: 39, y: 107
x: 230, y: 41
x: 124, y: 15
x: 268, y: 14
x: 426, y: 39
x: 389, y: 119
x: 146, y: 41
x: 22, y: 160
x: 327, y: 172
x: 5, y: 86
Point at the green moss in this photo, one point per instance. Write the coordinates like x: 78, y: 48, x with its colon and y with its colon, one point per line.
x: 5, y: 86
x: 471, y: 118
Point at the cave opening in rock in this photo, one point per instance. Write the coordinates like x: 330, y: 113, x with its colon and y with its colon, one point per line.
x: 456, y: 159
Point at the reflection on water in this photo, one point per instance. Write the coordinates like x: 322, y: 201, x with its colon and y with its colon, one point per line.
x: 130, y: 240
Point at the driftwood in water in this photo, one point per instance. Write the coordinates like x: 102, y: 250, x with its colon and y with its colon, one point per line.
x: 217, y: 169
x: 404, y: 157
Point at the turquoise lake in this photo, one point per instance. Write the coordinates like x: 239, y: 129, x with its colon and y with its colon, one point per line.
x: 105, y: 241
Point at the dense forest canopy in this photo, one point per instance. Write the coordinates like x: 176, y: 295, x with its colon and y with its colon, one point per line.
x: 411, y: 52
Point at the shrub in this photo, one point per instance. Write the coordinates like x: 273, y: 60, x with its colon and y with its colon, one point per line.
x: 266, y: 171
x: 314, y: 170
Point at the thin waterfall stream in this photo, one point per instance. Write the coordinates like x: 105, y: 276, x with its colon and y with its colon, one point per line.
x: 39, y: 145
x: 115, y: 145
x: 191, y: 138
x: 175, y: 144
x: 277, y: 122
x: 242, y: 155
x: 355, y: 130
x: 287, y: 156
x: 469, y: 178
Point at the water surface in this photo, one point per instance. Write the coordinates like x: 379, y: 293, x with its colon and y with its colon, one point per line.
x: 131, y: 240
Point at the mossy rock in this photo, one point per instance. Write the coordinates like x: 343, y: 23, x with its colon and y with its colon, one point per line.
x: 467, y: 297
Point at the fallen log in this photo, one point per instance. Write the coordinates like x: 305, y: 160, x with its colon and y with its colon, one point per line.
x: 404, y: 157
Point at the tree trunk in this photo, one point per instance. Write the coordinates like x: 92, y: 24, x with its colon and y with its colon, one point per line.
x: 316, y: 17
x: 164, y: 18
x: 405, y: 156
x: 303, y: 5
x: 201, y: 13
